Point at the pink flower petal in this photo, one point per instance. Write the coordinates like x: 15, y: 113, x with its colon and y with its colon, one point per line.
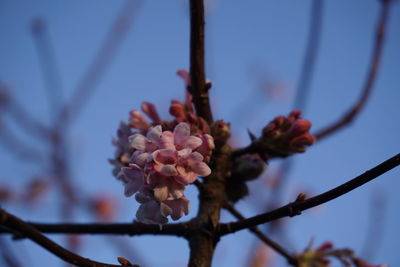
x: 184, y: 153
x: 178, y: 207
x: 194, y: 157
x: 132, y: 178
x: 140, y: 158
x: 191, y: 142
x: 167, y: 140
x: 161, y: 192
x: 169, y: 170
x: 149, y: 212
x: 201, y: 169
x: 185, y: 177
x: 165, y: 210
x: 175, y: 189
x: 165, y: 156
x: 181, y: 132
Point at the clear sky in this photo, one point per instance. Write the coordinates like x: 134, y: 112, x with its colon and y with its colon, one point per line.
x: 248, y: 42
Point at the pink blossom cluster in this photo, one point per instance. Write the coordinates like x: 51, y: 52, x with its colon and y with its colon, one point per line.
x: 287, y: 135
x: 156, y: 158
x: 162, y: 164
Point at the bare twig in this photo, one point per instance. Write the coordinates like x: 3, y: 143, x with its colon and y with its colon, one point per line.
x: 50, y: 72
x: 26, y: 121
x: 376, y: 225
x: 197, y: 68
x: 278, y: 248
x: 130, y: 229
x: 371, y: 77
x: 18, y: 147
x: 310, y: 56
x: 10, y: 221
x: 304, y: 84
x: 105, y: 55
x: 295, y: 208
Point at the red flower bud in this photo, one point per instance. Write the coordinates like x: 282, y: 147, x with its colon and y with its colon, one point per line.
x: 137, y: 120
x: 325, y: 246
x: 177, y: 109
x: 150, y: 110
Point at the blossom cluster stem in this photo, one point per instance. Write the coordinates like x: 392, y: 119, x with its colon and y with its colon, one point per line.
x: 204, y: 236
x: 197, y: 67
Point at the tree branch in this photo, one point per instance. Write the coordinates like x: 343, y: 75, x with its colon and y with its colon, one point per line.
x: 197, y: 70
x: 136, y: 228
x: 10, y: 221
x: 295, y: 208
x: 370, y: 80
x: 275, y: 246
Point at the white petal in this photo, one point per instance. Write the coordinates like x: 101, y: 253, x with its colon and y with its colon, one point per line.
x: 154, y: 133
x: 138, y: 141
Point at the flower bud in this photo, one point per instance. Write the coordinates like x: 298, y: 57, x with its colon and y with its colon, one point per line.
x: 248, y: 167
x: 177, y: 109
x: 150, y: 110
x: 137, y: 121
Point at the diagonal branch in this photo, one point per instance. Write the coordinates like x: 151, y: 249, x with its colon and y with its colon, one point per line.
x: 101, y: 62
x: 295, y: 208
x: 16, y: 224
x: 197, y: 69
x: 178, y: 229
x: 278, y: 248
x: 371, y: 78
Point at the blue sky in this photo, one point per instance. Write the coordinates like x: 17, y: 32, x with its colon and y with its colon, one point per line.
x: 244, y: 41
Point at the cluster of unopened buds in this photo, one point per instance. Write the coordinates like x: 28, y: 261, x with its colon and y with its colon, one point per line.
x: 156, y: 160
x: 284, y: 136
x: 319, y: 257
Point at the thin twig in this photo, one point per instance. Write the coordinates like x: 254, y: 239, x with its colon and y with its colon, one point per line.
x: 376, y: 225
x: 197, y: 68
x: 26, y: 121
x: 18, y: 147
x: 47, y: 60
x: 295, y: 208
x: 101, y: 62
x: 371, y: 77
x: 278, y: 248
x: 10, y: 221
x: 304, y: 84
x: 310, y: 56
x: 131, y: 229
